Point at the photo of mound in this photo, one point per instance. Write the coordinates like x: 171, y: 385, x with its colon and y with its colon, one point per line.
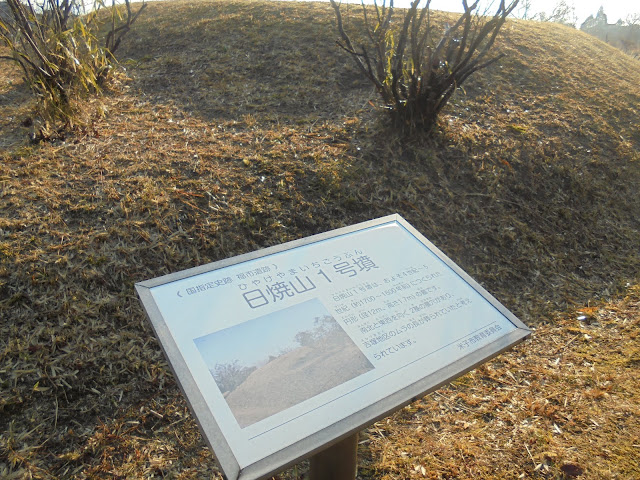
x: 276, y: 361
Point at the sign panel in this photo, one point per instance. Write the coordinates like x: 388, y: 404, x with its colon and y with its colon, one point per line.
x: 286, y: 350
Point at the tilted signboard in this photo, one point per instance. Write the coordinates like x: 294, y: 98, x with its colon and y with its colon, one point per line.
x: 286, y: 350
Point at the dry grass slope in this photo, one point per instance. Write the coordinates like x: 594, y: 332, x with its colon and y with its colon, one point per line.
x: 295, y: 377
x: 243, y: 126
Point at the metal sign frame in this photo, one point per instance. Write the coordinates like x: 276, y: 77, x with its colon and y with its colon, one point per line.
x: 213, y: 429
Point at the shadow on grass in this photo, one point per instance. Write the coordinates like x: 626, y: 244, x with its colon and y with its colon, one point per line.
x: 245, y: 60
x: 16, y: 104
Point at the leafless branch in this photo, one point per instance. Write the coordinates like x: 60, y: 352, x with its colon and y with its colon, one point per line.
x: 415, y: 69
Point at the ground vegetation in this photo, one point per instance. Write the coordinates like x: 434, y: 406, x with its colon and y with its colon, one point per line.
x: 227, y: 139
x: 65, y: 55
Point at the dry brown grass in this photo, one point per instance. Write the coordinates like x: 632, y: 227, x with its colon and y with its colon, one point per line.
x: 563, y: 403
x: 250, y: 128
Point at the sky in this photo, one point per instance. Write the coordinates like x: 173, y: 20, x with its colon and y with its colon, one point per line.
x: 252, y: 342
x: 615, y: 9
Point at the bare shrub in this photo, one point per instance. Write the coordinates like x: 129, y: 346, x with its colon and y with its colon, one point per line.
x: 61, y: 55
x: 418, y: 66
x: 563, y: 13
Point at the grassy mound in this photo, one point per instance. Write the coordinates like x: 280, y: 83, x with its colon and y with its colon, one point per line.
x: 243, y: 126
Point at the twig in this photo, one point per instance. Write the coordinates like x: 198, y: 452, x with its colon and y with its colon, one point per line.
x: 530, y: 456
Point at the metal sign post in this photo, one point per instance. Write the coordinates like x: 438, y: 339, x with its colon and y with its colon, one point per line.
x: 338, y: 462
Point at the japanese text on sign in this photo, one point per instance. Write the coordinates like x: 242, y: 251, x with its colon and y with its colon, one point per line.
x: 286, y: 288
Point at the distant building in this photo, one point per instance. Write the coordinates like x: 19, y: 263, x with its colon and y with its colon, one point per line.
x: 626, y: 37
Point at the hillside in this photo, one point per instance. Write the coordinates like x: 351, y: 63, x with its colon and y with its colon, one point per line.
x: 241, y: 126
x: 297, y: 376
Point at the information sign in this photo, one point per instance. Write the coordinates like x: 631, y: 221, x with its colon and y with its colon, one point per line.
x: 284, y: 351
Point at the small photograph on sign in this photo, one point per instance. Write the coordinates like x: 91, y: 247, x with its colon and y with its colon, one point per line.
x: 271, y: 363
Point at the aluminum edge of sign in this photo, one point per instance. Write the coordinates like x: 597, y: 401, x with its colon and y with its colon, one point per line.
x: 331, y: 434
x: 205, y: 420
